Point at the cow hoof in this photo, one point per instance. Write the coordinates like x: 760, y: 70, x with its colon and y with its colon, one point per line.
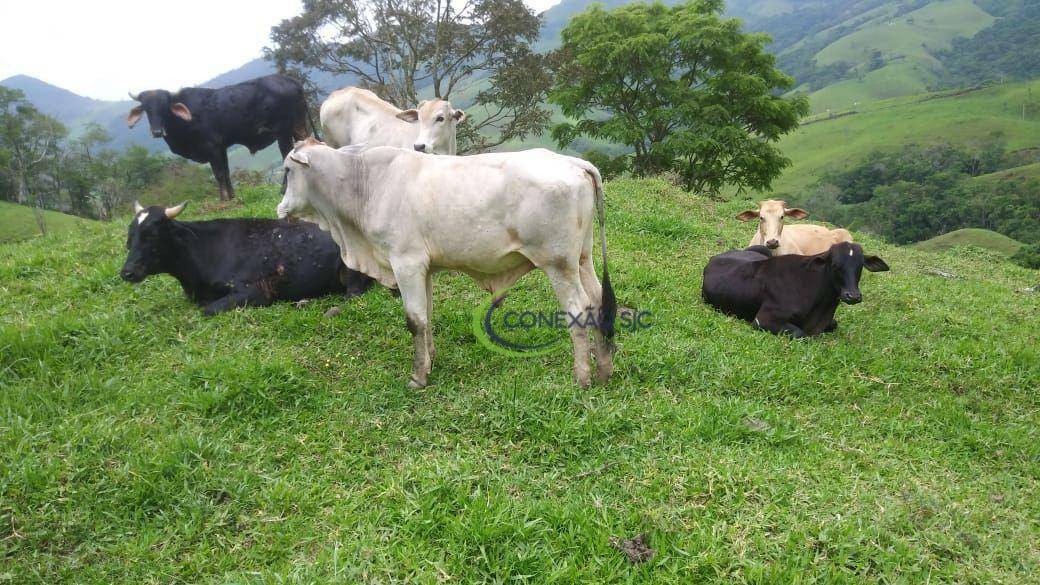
x: 415, y: 384
x: 603, y: 375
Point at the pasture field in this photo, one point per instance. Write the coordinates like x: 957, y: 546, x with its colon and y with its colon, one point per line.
x: 987, y: 239
x: 17, y: 222
x: 959, y: 118
x: 143, y: 443
x: 908, y: 45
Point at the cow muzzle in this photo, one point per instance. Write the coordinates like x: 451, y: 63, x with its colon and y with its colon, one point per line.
x: 161, y: 133
x: 773, y: 244
x: 131, y: 275
x: 419, y: 147
x: 851, y: 298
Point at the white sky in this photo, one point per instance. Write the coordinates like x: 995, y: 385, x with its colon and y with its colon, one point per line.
x: 103, y: 48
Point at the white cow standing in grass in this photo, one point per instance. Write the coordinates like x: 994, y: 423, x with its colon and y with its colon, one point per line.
x: 399, y: 215
x: 357, y: 116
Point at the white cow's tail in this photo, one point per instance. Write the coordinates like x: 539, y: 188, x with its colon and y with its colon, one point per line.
x: 608, y: 309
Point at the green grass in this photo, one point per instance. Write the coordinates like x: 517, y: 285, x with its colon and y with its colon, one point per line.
x: 959, y: 118
x: 142, y: 443
x: 18, y: 222
x: 987, y: 239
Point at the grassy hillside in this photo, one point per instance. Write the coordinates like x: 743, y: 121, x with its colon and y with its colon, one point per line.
x: 890, y: 52
x: 17, y: 222
x: 144, y: 443
x: 961, y: 118
x: 987, y: 239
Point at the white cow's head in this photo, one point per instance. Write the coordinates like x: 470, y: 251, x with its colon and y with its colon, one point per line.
x: 295, y: 201
x: 437, y: 120
x: 313, y: 174
x: 771, y: 214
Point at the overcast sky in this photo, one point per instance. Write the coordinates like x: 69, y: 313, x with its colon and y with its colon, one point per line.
x: 103, y: 48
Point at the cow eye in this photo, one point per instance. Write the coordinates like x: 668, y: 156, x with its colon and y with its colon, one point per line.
x: 440, y: 118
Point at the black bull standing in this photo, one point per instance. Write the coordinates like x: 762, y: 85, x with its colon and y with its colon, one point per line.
x: 201, y: 124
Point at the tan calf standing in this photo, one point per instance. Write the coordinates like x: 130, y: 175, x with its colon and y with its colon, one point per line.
x: 803, y: 239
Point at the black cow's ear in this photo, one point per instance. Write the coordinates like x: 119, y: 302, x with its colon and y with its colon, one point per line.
x: 874, y: 264
x: 409, y: 116
x: 747, y: 215
x: 134, y: 116
x: 181, y: 111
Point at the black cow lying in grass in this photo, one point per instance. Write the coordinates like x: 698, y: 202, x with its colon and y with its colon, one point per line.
x: 792, y: 294
x: 228, y: 263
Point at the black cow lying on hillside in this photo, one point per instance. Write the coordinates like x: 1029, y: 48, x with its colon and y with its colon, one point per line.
x: 227, y: 263
x: 200, y: 124
x: 793, y: 294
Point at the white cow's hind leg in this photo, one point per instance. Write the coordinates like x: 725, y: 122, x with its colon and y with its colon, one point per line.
x: 414, y: 283
x: 603, y: 351
x: 566, y: 283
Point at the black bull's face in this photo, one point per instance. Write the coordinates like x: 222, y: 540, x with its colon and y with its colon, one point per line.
x: 148, y: 241
x: 160, y: 107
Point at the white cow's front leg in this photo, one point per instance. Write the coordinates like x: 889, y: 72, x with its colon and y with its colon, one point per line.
x: 414, y: 283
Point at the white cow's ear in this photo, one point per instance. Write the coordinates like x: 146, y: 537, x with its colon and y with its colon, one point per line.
x: 301, y: 157
x: 181, y: 111
x: 134, y: 116
x: 747, y: 215
x: 138, y: 208
x: 411, y: 116
x: 459, y: 115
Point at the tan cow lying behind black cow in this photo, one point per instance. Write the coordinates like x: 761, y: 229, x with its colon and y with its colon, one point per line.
x: 780, y: 239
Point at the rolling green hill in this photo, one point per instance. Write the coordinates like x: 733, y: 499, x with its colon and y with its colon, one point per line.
x: 17, y: 222
x: 904, y: 47
x: 144, y: 443
x: 980, y: 238
x: 824, y: 143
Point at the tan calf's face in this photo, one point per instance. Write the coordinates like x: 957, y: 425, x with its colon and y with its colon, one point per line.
x: 771, y: 214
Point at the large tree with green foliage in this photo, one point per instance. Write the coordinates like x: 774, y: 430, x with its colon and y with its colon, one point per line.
x: 685, y: 89
x: 476, y: 53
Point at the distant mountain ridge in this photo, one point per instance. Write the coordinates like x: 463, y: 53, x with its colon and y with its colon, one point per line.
x: 842, y: 52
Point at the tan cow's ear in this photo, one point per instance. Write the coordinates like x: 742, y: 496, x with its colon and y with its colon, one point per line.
x: 874, y: 264
x: 411, y: 116
x: 134, y: 116
x: 747, y: 215
x: 459, y: 115
x: 172, y: 212
x: 300, y: 157
x: 181, y: 111
x: 796, y: 213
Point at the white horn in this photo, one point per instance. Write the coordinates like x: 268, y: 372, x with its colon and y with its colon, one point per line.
x: 172, y: 212
x: 138, y: 208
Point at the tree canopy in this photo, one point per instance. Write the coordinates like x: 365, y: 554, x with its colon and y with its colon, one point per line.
x: 476, y: 53
x: 684, y: 88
